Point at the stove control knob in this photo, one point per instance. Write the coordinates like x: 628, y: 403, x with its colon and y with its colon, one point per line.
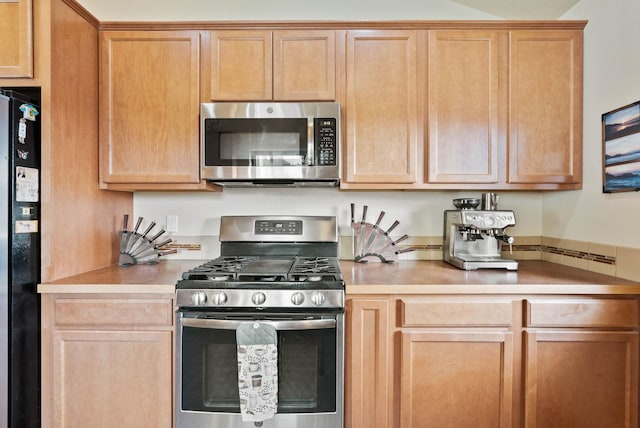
x: 219, y: 298
x: 318, y: 298
x: 297, y: 298
x: 199, y: 298
x: 258, y: 298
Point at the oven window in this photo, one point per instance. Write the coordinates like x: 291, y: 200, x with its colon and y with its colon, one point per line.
x: 306, y: 371
x: 255, y: 142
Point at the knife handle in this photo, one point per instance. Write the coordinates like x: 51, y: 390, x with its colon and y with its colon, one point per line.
x: 405, y: 250
x: 393, y: 226
x: 125, y: 223
x: 364, y: 213
x: 353, y: 213
x: 400, y: 239
x: 157, y: 235
x: 163, y: 243
x: 153, y: 223
x: 379, y: 218
x: 135, y: 230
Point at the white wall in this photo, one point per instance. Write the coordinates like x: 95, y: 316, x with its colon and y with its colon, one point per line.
x: 419, y: 213
x: 221, y: 10
x: 611, y: 80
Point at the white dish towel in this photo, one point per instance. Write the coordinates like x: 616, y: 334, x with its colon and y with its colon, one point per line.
x: 257, y: 370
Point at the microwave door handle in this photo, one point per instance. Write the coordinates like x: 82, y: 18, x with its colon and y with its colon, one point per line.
x: 310, y: 141
x: 278, y: 325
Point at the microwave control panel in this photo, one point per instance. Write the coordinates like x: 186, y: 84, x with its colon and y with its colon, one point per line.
x: 326, y: 142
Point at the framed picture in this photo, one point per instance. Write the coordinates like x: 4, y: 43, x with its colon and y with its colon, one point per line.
x: 621, y: 149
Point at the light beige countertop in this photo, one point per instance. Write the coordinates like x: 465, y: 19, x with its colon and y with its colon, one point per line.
x: 159, y: 278
x: 437, y: 277
x: 403, y: 277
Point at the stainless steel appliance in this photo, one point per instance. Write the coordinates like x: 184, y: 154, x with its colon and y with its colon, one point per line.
x: 473, y: 238
x: 19, y: 259
x: 278, y: 270
x: 270, y: 143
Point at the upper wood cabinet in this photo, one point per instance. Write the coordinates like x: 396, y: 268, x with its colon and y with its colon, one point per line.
x: 381, y: 109
x: 272, y: 65
x: 497, y: 109
x: 149, y: 110
x: 545, y: 106
x: 16, y: 46
x: 464, y: 75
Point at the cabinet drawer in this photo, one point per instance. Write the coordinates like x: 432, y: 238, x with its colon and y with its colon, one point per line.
x: 582, y: 313
x: 436, y: 313
x: 113, y: 311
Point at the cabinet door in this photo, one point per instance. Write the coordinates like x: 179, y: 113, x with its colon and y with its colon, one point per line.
x: 16, y: 47
x: 304, y: 65
x: 545, y: 118
x: 381, y: 107
x: 369, y: 364
x: 149, y: 107
x: 452, y: 380
x: 464, y: 70
x: 241, y: 65
x: 581, y: 379
x: 104, y: 379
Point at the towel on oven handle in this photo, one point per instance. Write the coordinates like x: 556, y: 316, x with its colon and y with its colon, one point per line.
x: 257, y: 345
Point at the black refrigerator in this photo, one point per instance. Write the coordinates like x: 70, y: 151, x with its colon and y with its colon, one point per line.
x: 19, y: 259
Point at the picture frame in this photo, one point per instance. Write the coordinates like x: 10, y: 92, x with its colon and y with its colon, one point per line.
x: 621, y: 149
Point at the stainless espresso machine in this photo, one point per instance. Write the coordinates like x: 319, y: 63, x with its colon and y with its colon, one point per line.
x: 473, y: 238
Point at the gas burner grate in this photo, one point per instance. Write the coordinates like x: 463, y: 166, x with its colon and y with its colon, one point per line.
x: 315, y: 269
x: 220, y: 269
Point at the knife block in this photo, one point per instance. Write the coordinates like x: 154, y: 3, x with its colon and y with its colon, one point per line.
x: 138, y: 248
x: 372, y: 243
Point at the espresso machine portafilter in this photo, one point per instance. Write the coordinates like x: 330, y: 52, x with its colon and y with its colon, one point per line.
x: 473, y: 238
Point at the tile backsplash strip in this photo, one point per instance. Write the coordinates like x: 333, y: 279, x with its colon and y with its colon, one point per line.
x: 621, y: 262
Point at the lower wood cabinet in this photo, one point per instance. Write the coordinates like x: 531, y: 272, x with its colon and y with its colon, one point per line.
x: 581, y: 365
x: 492, y: 361
x: 107, y: 361
x: 369, y: 363
x: 456, y: 379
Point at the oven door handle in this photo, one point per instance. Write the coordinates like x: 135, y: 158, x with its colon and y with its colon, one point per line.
x: 278, y: 325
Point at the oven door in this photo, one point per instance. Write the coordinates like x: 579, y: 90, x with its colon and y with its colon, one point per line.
x: 310, y: 370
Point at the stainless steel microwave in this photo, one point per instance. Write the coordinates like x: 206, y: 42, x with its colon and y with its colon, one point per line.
x: 270, y: 143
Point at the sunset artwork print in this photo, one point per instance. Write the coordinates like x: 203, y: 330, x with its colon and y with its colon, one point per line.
x: 621, y: 149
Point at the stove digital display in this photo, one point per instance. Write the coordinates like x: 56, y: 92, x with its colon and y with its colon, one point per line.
x: 275, y: 227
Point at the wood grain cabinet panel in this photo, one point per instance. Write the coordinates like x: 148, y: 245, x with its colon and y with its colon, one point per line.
x: 241, y: 65
x: 381, y: 107
x: 545, y: 106
x: 451, y: 312
x: 304, y: 65
x: 105, y: 379
x: 282, y: 65
x: 586, y: 379
x: 107, y: 360
x: 456, y: 379
x: 463, y: 90
x: 149, y: 108
x: 369, y: 364
x: 16, y: 47
x: 582, y: 312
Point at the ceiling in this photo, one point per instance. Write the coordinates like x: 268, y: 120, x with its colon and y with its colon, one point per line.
x: 521, y: 9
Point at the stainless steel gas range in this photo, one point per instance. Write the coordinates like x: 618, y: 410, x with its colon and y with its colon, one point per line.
x: 278, y: 276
